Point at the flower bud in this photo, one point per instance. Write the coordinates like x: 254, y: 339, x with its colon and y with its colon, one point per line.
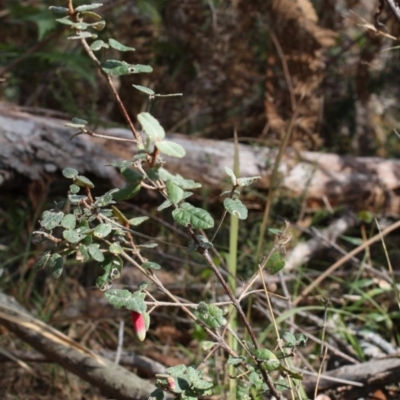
x: 139, y: 325
x: 171, y: 383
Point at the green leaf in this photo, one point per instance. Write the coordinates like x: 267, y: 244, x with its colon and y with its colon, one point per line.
x: 102, y: 230
x: 301, y: 340
x: 204, y: 242
x: 243, y: 390
x: 99, y: 26
x: 98, y: 44
x: 104, y: 282
x: 146, y: 317
x: 175, y: 193
x: 70, y: 173
x: 72, y: 24
x: 256, y: 380
x: 56, y: 265
x: 231, y: 174
x: 289, y: 339
x: 74, y: 189
x: 201, y: 384
x: 153, y: 173
x: 83, y: 182
x: 106, y: 199
x: 127, y: 192
x: 235, y: 360
x: 112, y: 266
x: 144, y: 89
x: 76, y: 198
x: 87, y: 7
x: 207, y: 345
x: 42, y: 261
x: 115, y: 67
x: 157, y: 394
x: 51, y: 219
x: 119, y: 46
x: 79, y: 122
x: 274, y: 263
x: 185, y: 184
x: 131, y: 176
x: 247, y: 181
x: 235, y: 207
x: 115, y: 248
x: 69, y: 221
x: 121, y: 164
x: 95, y: 252
x: 196, y: 217
x: 149, y: 245
x: 137, y: 221
x: 264, y: 355
x: 151, y: 126
x: 136, y: 302
x: 151, y: 265
x: 143, y: 285
x: 177, y: 370
x: 165, y: 204
x: 274, y: 231
x: 170, y: 149
x: 123, y: 298
x: 82, y: 254
x: 211, y: 315
x: 352, y: 240
x: 270, y: 360
x: 281, y: 385
x: 82, y: 35
x: 92, y: 15
x: 58, y: 10
x: 72, y: 236
x: 365, y: 216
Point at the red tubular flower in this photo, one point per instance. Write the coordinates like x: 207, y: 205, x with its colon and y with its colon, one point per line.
x: 171, y: 383
x: 139, y: 326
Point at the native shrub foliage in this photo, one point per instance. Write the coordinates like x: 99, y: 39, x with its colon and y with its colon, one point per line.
x: 88, y: 228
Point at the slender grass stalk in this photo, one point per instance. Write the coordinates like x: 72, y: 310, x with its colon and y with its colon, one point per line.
x: 273, y: 185
x: 394, y: 285
x: 232, y: 267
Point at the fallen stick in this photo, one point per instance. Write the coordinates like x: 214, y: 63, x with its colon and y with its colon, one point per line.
x: 113, y: 380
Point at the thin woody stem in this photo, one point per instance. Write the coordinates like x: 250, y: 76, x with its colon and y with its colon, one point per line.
x: 93, y: 57
x: 236, y: 304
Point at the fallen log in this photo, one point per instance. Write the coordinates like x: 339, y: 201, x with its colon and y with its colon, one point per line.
x: 35, y: 147
x: 113, y: 380
x: 372, y: 375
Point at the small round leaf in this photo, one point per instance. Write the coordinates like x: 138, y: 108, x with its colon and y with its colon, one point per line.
x: 70, y: 173
x: 69, y: 221
x: 102, y: 230
x: 95, y: 252
x: 236, y: 207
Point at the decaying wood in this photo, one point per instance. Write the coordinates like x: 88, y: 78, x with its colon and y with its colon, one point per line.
x: 304, y: 251
x: 373, y: 374
x: 113, y: 381
x: 37, y: 147
x: 143, y: 364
